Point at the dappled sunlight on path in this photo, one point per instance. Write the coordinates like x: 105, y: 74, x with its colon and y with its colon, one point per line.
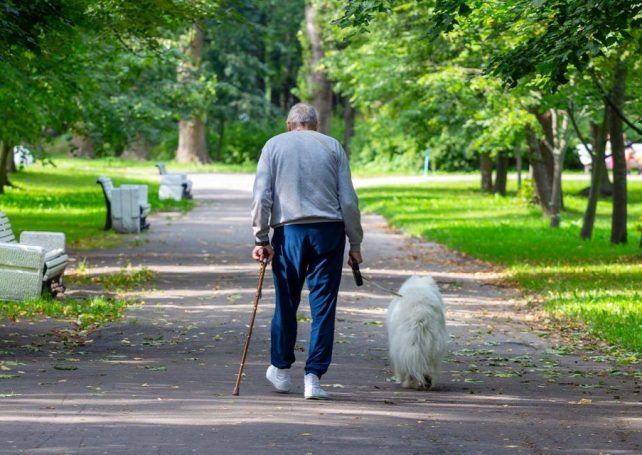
x: 160, y: 380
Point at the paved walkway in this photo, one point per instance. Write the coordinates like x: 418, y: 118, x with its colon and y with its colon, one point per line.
x: 160, y: 380
x: 243, y: 182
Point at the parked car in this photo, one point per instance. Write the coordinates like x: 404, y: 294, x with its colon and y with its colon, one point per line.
x: 633, y: 155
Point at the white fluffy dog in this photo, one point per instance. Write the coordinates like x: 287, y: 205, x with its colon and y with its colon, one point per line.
x: 417, y: 336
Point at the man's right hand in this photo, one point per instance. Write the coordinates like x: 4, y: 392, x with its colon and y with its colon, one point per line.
x: 354, y: 256
x: 260, y: 253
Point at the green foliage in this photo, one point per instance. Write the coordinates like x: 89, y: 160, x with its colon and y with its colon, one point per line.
x: 596, y: 282
x: 106, y: 69
x: 256, y: 64
x: 415, y: 93
x: 437, y: 71
x: 243, y: 141
x: 358, y: 13
x: 85, y: 313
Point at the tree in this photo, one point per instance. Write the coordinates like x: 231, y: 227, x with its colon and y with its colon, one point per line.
x: 256, y: 61
x: 318, y: 84
x: 619, y: 218
x: 48, y: 50
x: 192, y: 142
x: 536, y: 46
x: 598, y: 147
x: 556, y: 38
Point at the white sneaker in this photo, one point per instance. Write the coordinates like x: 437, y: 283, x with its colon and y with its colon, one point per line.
x: 280, y: 378
x: 313, y: 390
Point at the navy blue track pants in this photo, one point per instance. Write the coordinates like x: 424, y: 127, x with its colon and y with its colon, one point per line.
x: 313, y: 253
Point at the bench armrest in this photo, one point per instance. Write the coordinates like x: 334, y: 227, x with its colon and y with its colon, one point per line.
x: 47, y: 240
x: 172, y: 179
x: 181, y: 175
x: 24, y: 257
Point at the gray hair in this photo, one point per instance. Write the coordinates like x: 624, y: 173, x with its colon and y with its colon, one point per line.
x: 302, y: 113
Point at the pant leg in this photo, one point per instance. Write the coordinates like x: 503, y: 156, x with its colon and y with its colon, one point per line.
x: 288, y: 271
x: 327, y: 243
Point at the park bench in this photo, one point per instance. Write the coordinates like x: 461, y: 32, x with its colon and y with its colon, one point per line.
x: 34, y: 265
x: 173, y: 185
x: 127, y: 206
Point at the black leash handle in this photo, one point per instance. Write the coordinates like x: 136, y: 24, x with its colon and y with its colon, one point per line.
x: 356, y: 273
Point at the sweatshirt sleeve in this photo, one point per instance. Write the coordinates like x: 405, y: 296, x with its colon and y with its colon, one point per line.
x: 262, y: 199
x: 349, y: 203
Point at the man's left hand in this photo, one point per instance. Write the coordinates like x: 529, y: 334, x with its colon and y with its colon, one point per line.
x: 354, y: 257
x: 260, y: 253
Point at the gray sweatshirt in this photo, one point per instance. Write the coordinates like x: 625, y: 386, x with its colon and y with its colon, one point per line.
x: 304, y: 177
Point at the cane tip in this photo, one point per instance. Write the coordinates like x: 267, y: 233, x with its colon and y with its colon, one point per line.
x: 235, y: 393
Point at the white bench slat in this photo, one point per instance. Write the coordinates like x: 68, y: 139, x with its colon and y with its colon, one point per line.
x: 6, y: 233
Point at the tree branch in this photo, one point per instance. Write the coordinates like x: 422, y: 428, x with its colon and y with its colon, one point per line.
x: 611, y: 104
x: 571, y: 115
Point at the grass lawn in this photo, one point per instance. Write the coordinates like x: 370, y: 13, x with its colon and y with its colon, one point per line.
x: 66, y: 198
x: 596, y: 282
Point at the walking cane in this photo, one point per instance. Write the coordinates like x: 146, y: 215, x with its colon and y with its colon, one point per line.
x: 257, y: 297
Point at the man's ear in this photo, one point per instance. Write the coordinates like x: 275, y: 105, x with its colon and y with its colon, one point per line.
x: 288, y: 126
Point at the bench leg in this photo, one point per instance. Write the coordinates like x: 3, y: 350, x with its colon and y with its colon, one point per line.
x: 144, y: 225
x: 186, y: 193
x: 108, y: 219
x: 55, y: 288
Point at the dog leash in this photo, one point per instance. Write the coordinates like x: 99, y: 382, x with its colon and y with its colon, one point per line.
x: 358, y: 279
x: 383, y: 288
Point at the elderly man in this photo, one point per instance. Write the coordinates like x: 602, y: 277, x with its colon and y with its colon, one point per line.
x: 303, y: 190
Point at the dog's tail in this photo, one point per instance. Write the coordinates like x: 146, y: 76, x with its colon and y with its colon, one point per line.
x: 419, y: 350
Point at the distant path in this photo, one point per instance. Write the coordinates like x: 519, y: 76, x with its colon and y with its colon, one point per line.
x: 159, y: 381
x: 243, y: 182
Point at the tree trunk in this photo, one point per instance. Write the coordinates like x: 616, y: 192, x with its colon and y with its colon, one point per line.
x: 560, y: 136
x: 541, y: 177
x: 547, y: 122
x: 486, y: 168
x: 192, y: 142
x: 599, y: 147
x: 82, y: 146
x: 501, y: 173
x: 348, y: 123
x: 606, y: 187
x: 5, y: 153
x: 192, y: 145
x: 137, y: 149
x: 11, y: 163
x: 318, y: 81
x: 556, y: 190
x: 619, y: 218
x: 518, y: 165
